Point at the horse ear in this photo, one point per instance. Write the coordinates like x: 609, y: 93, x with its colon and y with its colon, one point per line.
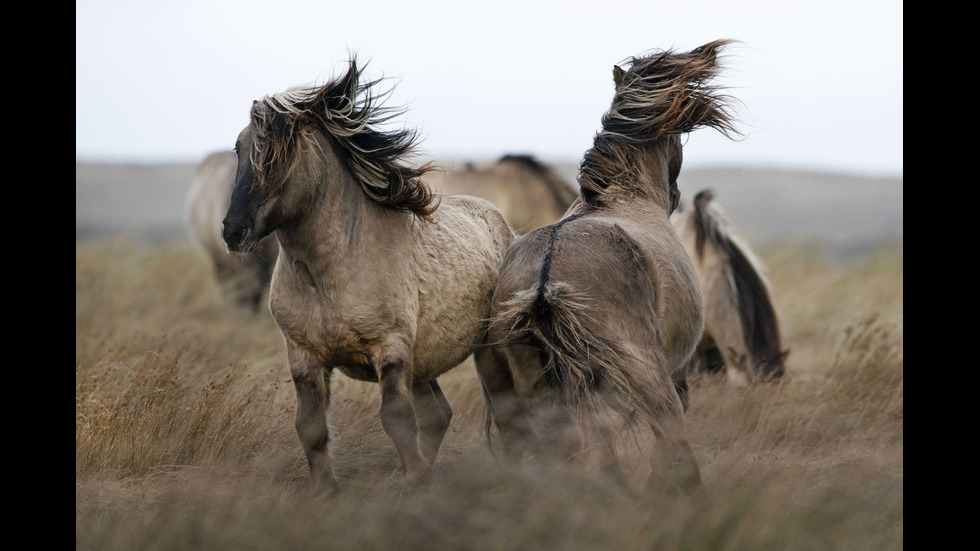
x: 618, y: 75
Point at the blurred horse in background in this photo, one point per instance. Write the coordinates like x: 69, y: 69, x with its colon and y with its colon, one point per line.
x: 602, y: 310
x: 741, y: 329
x: 528, y: 192
x: 378, y: 277
x: 243, y: 278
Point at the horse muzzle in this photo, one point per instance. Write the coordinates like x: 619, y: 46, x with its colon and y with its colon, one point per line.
x: 238, y: 239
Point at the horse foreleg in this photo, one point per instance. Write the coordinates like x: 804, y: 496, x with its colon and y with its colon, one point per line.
x: 398, y: 418
x: 434, y: 414
x: 504, y: 406
x: 312, y: 402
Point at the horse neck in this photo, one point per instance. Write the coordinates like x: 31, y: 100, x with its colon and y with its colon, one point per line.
x: 647, y: 189
x: 339, y: 224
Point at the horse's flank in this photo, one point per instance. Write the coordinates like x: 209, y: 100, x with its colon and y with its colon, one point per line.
x: 528, y: 192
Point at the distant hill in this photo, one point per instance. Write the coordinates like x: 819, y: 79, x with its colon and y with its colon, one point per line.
x: 848, y: 214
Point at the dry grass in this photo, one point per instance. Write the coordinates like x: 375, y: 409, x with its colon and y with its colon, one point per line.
x: 184, y: 435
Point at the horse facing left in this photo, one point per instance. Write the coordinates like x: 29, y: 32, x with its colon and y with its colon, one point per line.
x: 375, y: 278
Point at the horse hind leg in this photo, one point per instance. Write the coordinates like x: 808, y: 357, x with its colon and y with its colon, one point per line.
x: 675, y: 468
x: 505, y: 407
x: 434, y: 415
x: 559, y: 437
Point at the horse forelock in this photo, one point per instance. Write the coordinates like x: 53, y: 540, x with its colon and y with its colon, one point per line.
x: 662, y: 94
x: 350, y: 110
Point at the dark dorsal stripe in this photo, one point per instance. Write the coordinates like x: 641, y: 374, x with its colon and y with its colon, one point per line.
x: 546, y: 265
x: 556, y: 373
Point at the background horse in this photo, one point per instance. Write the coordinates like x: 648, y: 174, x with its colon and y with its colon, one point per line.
x: 528, y: 192
x: 603, y: 308
x: 372, y: 280
x: 244, y: 278
x: 741, y: 330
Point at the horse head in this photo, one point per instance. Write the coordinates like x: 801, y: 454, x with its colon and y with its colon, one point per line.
x: 658, y: 98
x: 304, y: 139
x: 266, y: 195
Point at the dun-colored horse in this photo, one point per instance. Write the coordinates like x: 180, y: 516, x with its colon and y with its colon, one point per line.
x: 528, y: 192
x: 375, y: 278
x: 741, y: 329
x: 603, y: 308
x: 243, y: 278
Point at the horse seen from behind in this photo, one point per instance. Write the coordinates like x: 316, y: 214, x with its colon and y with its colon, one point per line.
x: 601, y: 311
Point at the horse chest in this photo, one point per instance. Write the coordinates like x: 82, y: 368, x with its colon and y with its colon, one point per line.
x: 321, y: 329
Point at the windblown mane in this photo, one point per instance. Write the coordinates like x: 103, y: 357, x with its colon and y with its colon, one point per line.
x: 662, y: 94
x: 755, y: 307
x: 563, y: 192
x: 350, y: 110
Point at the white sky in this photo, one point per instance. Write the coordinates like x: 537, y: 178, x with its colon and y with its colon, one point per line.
x: 821, y: 80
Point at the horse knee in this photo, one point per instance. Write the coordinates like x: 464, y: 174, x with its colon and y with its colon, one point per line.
x: 396, y: 413
x: 313, y: 433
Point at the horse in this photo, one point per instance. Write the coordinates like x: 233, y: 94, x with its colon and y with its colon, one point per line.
x: 597, y: 315
x: 242, y: 278
x: 741, y: 329
x: 377, y: 278
x: 527, y: 191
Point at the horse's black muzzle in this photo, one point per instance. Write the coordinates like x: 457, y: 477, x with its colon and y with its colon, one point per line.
x: 236, y: 237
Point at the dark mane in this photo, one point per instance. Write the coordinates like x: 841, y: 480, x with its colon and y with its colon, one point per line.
x: 755, y: 309
x: 561, y: 190
x: 350, y: 110
x: 662, y: 94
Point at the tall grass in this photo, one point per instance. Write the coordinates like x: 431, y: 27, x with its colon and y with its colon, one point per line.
x: 184, y: 433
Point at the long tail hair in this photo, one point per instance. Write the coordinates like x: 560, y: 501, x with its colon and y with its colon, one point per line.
x: 757, y: 315
x: 586, y: 371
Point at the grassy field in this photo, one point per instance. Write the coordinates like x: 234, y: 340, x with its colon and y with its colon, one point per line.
x: 184, y: 433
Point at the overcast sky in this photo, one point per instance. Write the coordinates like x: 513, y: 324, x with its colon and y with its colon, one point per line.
x: 821, y: 80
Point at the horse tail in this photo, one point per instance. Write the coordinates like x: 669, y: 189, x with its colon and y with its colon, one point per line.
x: 756, y: 313
x: 586, y: 370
